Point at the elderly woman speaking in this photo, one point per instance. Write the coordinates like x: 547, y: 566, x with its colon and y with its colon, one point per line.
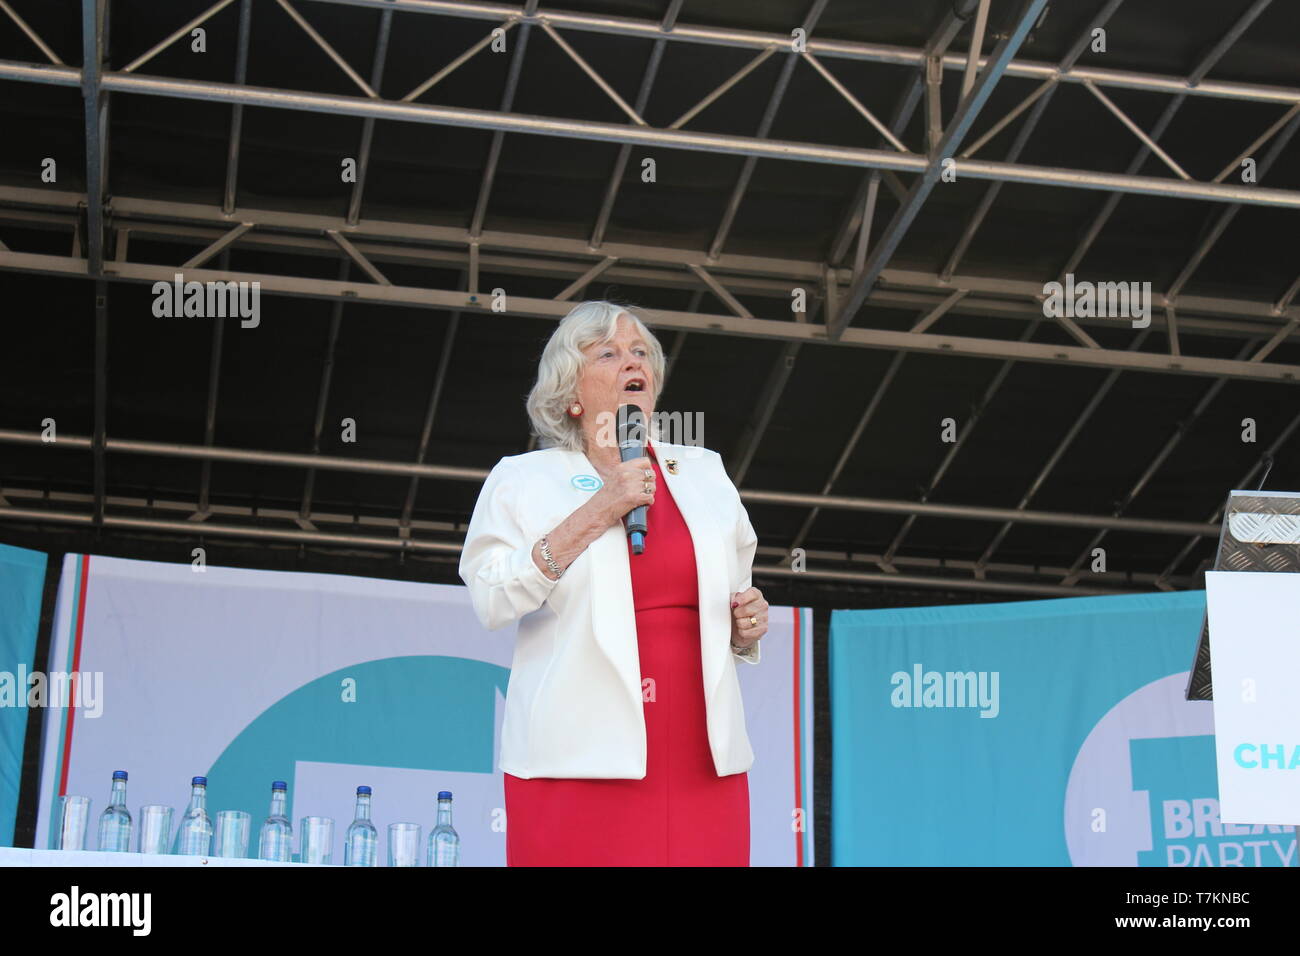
x: 624, y: 738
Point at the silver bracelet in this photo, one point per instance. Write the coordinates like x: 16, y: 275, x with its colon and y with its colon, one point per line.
x: 550, y: 559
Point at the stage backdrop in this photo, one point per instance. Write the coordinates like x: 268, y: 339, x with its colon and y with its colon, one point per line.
x: 1034, y: 733
x: 329, y: 681
x: 22, y: 580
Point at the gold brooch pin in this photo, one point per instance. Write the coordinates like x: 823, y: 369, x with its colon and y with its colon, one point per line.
x: 672, y: 465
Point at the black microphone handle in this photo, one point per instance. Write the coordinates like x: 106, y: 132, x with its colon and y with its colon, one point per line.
x: 635, y: 520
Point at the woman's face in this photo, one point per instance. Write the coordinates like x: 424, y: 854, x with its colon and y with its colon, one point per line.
x: 610, y: 376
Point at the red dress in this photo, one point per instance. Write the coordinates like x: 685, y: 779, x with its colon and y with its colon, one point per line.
x: 682, y: 813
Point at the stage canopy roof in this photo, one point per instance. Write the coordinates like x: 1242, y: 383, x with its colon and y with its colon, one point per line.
x: 712, y: 162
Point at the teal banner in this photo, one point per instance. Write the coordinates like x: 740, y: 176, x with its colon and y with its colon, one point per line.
x: 1034, y: 733
x: 22, y: 580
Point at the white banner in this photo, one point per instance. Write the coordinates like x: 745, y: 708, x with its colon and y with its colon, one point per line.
x: 328, y: 682
x: 1255, y: 657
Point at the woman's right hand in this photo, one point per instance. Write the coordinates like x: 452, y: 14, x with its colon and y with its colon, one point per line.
x: 621, y: 490
x: 624, y: 488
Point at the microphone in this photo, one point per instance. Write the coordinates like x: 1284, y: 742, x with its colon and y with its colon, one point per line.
x: 631, y: 444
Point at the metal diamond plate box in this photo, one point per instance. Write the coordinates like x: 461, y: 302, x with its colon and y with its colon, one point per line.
x: 1261, y: 532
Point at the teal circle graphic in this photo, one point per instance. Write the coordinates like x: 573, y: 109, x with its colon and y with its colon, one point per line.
x: 586, y: 482
x: 422, y: 712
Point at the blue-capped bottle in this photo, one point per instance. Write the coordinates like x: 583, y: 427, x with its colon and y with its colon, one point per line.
x: 444, y: 843
x: 361, y: 848
x: 276, y: 840
x: 115, y: 821
x: 194, y: 835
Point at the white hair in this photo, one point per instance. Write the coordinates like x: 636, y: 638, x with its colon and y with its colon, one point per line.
x: 561, y: 366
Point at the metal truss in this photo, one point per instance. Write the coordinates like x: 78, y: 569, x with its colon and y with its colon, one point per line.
x: 591, y: 130
x: 572, y: 263
x: 437, y: 537
x: 145, y: 519
x: 842, y: 290
x: 302, y: 526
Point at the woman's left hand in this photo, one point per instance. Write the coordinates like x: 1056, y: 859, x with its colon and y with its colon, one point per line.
x: 746, y: 606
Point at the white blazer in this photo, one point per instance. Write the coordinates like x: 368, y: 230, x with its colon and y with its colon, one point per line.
x: 574, y: 702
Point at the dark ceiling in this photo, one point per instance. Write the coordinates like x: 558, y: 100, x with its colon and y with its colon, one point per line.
x: 1152, y: 443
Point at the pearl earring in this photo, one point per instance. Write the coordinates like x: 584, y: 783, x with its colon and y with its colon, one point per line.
x: 575, y: 409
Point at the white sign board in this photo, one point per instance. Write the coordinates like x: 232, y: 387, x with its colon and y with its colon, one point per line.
x: 1254, y: 626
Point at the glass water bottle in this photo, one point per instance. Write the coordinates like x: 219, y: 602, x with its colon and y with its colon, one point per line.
x: 194, y: 835
x: 276, y: 840
x: 361, y: 848
x: 115, y: 821
x: 444, y: 843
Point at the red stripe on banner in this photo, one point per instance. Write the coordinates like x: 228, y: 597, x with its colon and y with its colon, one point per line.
x: 76, y: 668
x: 798, y: 739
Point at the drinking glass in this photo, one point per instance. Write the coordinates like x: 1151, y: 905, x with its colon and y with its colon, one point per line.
x: 403, y: 844
x: 73, y: 817
x: 155, y: 829
x: 231, y: 839
x: 317, y: 840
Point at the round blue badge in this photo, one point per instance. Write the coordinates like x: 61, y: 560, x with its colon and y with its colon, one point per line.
x: 586, y: 482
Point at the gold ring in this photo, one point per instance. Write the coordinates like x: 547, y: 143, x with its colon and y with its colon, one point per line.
x: 753, y: 621
x: 649, y: 475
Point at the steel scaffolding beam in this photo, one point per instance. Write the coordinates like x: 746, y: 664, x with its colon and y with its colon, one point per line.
x: 94, y: 27
x: 1054, y: 459
x: 216, y: 352
x: 152, y: 506
x: 237, y: 111
x: 323, y: 394
x: 940, y: 153
x: 663, y: 318
x: 1180, y: 432
x: 494, y: 151
x: 40, y: 498
x: 431, y: 411
x: 841, y: 49
x: 408, y: 545
x: 625, y: 151
x: 864, y: 210
x: 368, y: 124
x: 1042, y: 97
x: 476, y: 475
x: 589, y: 130
x: 31, y: 34
x: 542, y: 254
x: 965, y: 430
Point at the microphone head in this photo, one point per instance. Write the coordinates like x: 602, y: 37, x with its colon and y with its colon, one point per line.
x: 631, y: 426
